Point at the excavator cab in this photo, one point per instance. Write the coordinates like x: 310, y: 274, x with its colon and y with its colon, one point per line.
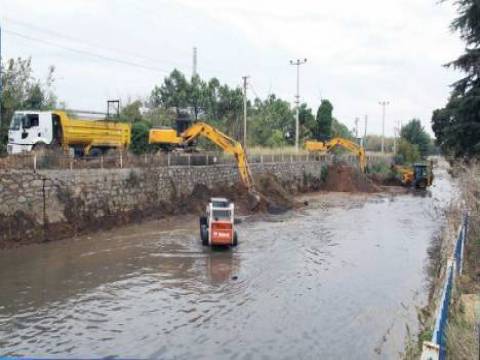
x: 422, y: 176
x: 169, y: 138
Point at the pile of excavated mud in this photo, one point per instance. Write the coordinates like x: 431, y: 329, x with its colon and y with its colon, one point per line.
x: 344, y: 178
x: 273, y: 197
x: 385, y: 180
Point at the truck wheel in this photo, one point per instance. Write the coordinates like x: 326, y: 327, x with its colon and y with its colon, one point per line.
x: 204, y: 235
x: 40, y: 148
x: 95, y: 152
x: 235, y: 239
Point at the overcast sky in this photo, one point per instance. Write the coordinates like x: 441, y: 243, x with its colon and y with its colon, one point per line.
x: 358, y: 52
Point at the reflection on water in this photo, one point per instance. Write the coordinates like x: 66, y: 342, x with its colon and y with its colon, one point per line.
x: 340, y: 279
x: 222, y: 265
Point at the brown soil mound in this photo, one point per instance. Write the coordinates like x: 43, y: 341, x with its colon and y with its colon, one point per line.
x: 273, y: 197
x: 385, y: 180
x: 276, y: 198
x: 345, y: 178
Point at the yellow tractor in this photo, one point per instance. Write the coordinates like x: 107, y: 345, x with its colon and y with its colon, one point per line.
x: 419, y: 175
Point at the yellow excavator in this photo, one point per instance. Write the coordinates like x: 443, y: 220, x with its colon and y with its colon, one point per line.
x: 229, y: 145
x: 326, y: 146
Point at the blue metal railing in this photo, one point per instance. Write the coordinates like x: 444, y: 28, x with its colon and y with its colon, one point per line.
x: 454, y: 267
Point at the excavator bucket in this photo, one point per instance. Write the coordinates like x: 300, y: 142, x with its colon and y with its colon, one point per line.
x: 254, y: 200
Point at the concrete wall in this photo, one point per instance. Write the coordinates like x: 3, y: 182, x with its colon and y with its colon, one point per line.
x: 64, y: 202
x: 60, y: 203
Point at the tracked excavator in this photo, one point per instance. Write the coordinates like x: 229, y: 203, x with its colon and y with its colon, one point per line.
x: 326, y: 146
x: 226, y: 143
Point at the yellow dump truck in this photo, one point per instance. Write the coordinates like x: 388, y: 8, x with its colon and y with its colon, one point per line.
x: 38, y: 130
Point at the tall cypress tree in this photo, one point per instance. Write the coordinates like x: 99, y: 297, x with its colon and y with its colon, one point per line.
x: 324, y: 120
x: 457, y: 126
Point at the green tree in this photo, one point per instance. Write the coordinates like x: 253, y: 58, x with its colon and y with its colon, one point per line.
x: 229, y: 108
x: 131, y: 112
x: 21, y: 90
x: 307, y: 122
x: 196, y: 95
x: 415, y: 134
x: 159, y: 116
x: 324, y: 120
x: 407, y: 152
x: 457, y: 125
x: 340, y: 130
x: 271, y: 122
x: 172, y: 93
x: 139, y: 143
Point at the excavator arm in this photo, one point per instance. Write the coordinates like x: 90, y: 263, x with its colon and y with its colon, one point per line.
x: 228, y: 145
x: 326, y: 146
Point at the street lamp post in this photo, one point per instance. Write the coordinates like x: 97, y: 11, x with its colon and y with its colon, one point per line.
x: 297, y: 63
x: 383, y: 104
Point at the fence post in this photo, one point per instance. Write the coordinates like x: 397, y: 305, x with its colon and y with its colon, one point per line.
x: 121, y: 160
x: 207, y: 160
x: 101, y: 161
x: 145, y: 159
x: 261, y: 158
x: 34, y: 162
x: 291, y: 158
x: 189, y: 160
x: 168, y: 159
x: 71, y: 163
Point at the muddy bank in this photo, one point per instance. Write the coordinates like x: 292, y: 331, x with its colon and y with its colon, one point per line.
x: 77, y: 217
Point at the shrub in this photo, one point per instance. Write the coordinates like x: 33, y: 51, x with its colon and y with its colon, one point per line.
x: 407, y: 153
x: 139, y: 144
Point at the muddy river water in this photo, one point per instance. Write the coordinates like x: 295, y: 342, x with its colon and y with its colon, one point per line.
x: 339, y: 279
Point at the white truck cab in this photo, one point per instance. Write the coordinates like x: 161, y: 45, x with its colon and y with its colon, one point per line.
x: 30, y: 129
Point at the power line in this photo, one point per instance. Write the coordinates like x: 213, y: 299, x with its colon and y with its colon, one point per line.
x: 71, y: 38
x: 85, y: 52
x: 253, y: 89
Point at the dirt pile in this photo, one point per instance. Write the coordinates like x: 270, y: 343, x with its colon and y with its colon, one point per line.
x: 385, y: 180
x: 273, y: 197
x: 344, y: 178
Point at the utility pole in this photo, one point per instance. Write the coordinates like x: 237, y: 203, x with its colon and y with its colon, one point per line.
x: 396, y: 133
x: 194, y: 70
x: 245, y: 83
x: 365, y: 132
x: 297, y: 101
x: 356, y: 127
x: 383, y: 104
x: 395, y: 140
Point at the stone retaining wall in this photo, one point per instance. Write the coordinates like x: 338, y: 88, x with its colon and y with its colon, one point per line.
x: 33, y: 203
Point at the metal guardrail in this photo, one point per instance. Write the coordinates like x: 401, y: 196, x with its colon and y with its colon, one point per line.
x: 436, y: 348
